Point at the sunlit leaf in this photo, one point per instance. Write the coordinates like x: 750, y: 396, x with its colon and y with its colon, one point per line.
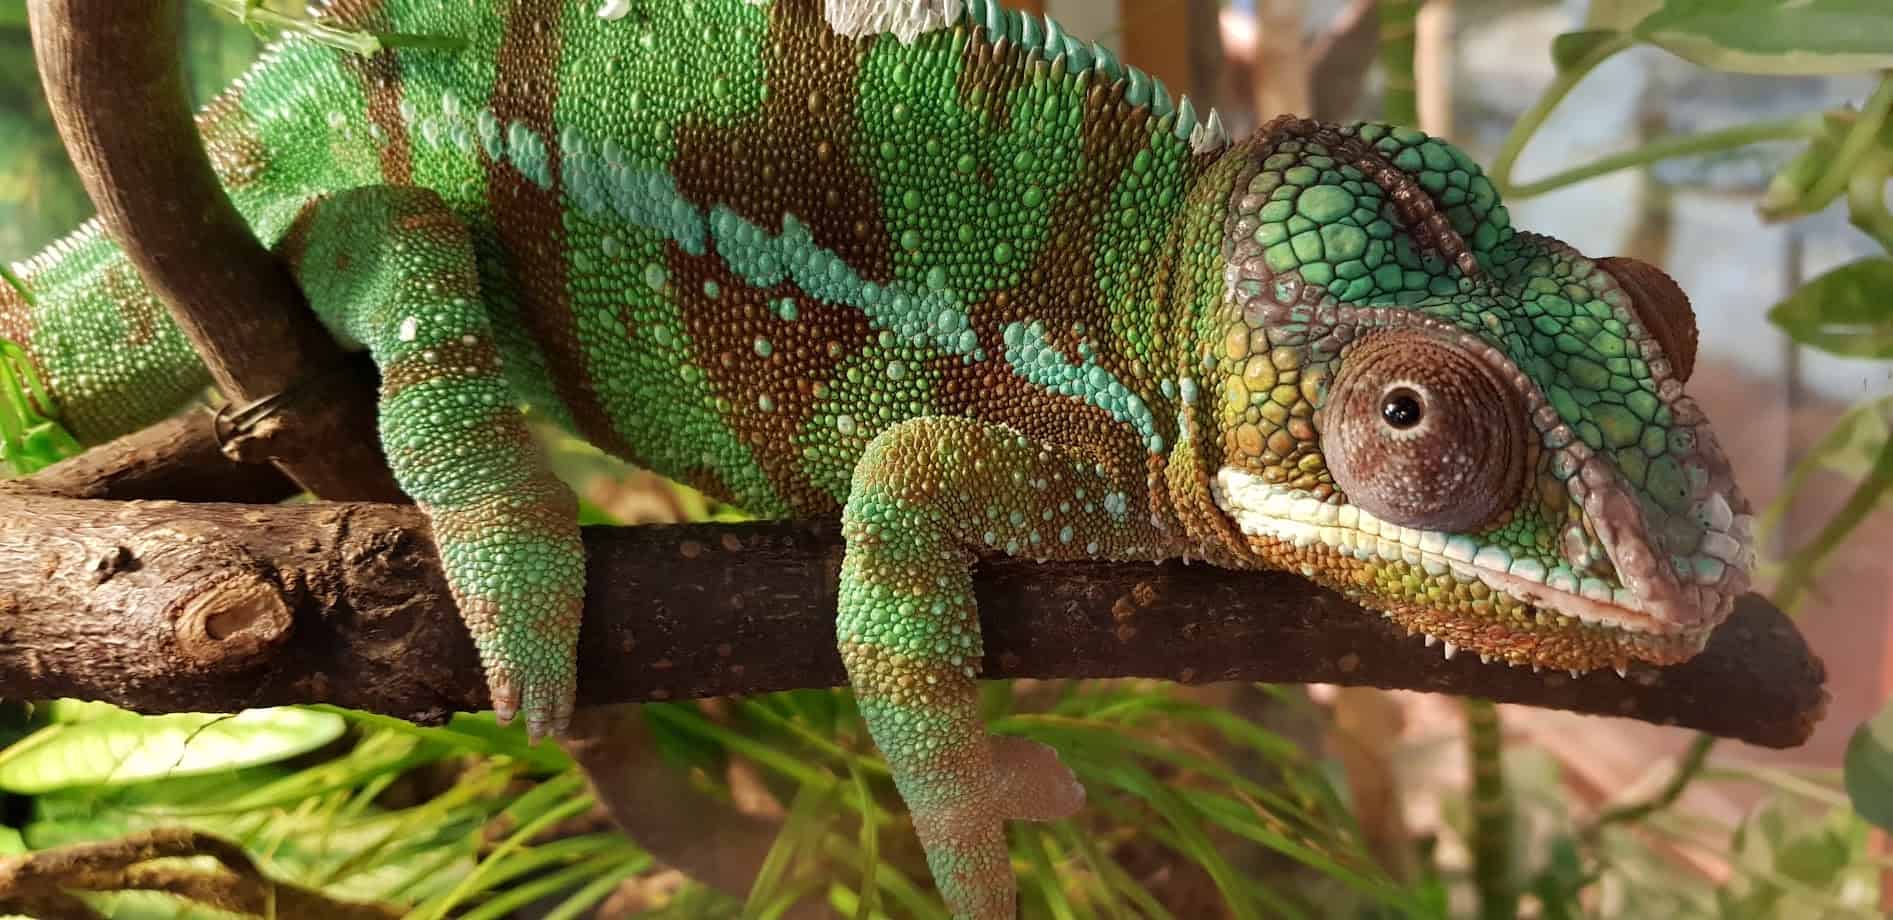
x: 122, y: 749
x: 1620, y: 15
x: 1869, y: 769
x: 1789, y: 192
x: 1572, y: 48
x: 1775, y: 36
x: 1847, y: 311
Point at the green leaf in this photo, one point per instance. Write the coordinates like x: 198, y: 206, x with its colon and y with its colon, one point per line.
x: 1869, y: 769
x: 1850, y: 448
x: 1790, y: 192
x: 1775, y: 36
x: 1570, y: 49
x: 1619, y: 15
x: 1846, y: 312
x: 123, y: 749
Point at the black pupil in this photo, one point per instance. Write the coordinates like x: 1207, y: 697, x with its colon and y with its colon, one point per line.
x: 1401, y: 409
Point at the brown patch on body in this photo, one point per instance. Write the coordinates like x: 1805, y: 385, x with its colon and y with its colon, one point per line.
x: 380, y: 78
x: 1060, y: 289
x: 16, y: 320
x: 480, y: 358
x: 795, y: 157
x: 991, y: 71
x: 136, y: 304
x: 529, y: 220
x: 236, y: 155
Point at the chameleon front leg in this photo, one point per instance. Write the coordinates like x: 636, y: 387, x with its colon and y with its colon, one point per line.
x: 925, y: 495
x: 393, y: 269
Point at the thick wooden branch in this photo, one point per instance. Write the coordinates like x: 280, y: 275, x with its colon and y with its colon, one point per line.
x: 116, y: 88
x: 162, y: 606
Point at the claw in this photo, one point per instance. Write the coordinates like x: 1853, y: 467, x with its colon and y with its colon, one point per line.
x: 548, y: 712
x: 505, y: 695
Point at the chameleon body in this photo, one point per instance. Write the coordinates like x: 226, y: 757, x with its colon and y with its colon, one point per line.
x: 988, y: 291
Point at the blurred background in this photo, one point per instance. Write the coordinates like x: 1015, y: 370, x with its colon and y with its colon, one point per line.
x: 1249, y: 801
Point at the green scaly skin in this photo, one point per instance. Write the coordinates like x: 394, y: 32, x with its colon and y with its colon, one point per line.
x: 987, y: 292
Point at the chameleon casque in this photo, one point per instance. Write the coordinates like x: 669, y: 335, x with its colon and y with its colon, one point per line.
x: 985, y: 291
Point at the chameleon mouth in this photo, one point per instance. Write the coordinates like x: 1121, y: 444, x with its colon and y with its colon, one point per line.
x: 1653, y: 604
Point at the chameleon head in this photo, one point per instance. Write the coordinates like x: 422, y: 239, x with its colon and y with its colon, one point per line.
x: 1482, y: 433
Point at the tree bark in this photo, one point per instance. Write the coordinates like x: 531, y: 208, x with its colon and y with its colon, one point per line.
x: 162, y: 607
x: 116, y: 89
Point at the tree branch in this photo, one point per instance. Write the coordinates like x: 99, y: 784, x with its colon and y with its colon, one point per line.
x: 160, y: 607
x: 116, y: 89
x: 43, y: 880
x: 176, y: 459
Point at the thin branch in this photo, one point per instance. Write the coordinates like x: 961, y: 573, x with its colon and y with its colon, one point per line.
x: 1799, y: 126
x: 46, y: 878
x: 1690, y: 766
x: 176, y: 459
x: 116, y: 90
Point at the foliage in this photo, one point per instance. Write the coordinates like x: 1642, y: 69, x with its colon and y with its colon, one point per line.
x: 1787, y: 864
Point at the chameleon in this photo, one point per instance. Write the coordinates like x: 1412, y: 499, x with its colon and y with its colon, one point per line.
x: 979, y: 290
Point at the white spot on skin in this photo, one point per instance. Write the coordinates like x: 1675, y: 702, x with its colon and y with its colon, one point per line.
x: 410, y: 327
x: 614, y: 10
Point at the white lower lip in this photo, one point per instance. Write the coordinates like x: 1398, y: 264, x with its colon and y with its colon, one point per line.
x: 1583, y: 608
x: 1242, y: 496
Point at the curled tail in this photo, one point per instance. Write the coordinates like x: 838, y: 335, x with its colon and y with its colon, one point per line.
x: 105, y: 350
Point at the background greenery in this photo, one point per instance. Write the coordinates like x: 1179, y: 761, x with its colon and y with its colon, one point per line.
x: 1204, y: 803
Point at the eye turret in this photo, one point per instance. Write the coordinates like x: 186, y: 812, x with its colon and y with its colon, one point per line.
x: 1420, y: 431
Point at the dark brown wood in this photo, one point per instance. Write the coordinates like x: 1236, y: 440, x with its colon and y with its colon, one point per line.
x: 176, y: 459
x: 116, y: 89
x: 668, y: 812
x: 161, y: 607
x: 153, y: 861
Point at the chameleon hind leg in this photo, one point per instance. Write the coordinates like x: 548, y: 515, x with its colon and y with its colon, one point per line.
x: 393, y: 269
x: 925, y: 495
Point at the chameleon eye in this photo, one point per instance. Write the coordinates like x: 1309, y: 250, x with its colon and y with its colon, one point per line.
x: 1401, y: 408
x: 1420, y: 431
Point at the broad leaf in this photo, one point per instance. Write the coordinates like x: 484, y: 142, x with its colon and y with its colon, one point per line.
x: 1619, y: 15
x: 1775, y: 36
x: 1790, y: 191
x: 123, y: 749
x: 1571, y: 48
x: 1869, y: 769
x: 1847, y: 312
x: 1850, y: 448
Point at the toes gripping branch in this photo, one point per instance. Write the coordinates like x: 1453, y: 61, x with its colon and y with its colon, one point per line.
x: 925, y: 494
x: 393, y: 269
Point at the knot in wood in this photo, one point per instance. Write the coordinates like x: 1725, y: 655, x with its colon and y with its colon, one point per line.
x: 232, y: 623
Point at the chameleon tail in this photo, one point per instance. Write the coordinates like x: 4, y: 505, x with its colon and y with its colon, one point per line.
x: 104, y: 348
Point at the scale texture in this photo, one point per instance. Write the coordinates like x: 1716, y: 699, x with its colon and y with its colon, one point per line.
x: 977, y: 289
